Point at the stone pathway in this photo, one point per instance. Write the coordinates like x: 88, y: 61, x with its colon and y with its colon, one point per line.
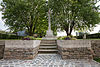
x: 52, y: 60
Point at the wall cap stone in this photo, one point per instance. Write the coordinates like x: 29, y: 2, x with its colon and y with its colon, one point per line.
x: 22, y: 43
x: 74, y: 43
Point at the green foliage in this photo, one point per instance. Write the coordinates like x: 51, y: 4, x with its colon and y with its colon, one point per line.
x: 9, y: 36
x: 27, y: 15
x: 31, y: 15
x: 93, y: 36
x: 32, y: 38
x: 62, y: 38
x: 97, y: 59
x: 74, y: 14
x: 3, y: 32
x: 69, y: 37
x: 90, y: 36
x: 73, y: 38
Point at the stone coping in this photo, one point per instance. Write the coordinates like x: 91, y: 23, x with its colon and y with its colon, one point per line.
x: 22, y: 43
x: 74, y: 43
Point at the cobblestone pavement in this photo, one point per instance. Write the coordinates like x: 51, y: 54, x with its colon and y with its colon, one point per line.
x: 53, y: 60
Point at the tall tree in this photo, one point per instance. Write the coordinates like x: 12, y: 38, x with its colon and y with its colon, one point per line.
x: 27, y: 15
x: 74, y: 14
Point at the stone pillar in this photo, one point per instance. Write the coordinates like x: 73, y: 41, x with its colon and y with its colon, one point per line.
x: 49, y: 33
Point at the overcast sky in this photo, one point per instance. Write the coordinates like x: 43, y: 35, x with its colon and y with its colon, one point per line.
x: 3, y: 27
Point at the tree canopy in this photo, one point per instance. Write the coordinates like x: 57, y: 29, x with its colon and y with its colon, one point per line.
x: 31, y: 15
x: 27, y: 15
x: 74, y: 14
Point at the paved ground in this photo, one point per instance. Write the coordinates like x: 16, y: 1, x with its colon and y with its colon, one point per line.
x: 48, y: 61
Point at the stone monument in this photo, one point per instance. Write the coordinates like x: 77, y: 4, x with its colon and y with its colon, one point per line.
x: 49, y: 33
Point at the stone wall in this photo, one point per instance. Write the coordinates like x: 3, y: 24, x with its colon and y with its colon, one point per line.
x: 21, y: 49
x: 75, y: 49
x: 1, y: 49
x: 96, y: 48
x: 69, y: 49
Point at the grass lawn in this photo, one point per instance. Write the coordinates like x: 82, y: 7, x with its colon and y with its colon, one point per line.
x: 97, y: 59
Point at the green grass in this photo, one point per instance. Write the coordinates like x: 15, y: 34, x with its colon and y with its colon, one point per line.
x: 97, y: 59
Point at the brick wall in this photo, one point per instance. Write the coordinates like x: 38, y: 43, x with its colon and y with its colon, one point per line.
x: 96, y: 48
x: 75, y: 49
x: 20, y: 53
x: 1, y: 49
x: 69, y: 49
x: 21, y: 49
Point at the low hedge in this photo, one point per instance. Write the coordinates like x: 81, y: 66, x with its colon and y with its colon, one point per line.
x: 90, y: 36
x: 67, y: 38
x: 9, y: 36
x: 31, y: 38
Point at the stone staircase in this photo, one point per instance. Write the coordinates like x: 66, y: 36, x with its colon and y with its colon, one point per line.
x: 48, y: 47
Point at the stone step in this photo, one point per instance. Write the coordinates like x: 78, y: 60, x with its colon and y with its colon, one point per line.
x: 48, y: 45
x: 48, y: 48
x: 48, y: 42
x: 48, y: 51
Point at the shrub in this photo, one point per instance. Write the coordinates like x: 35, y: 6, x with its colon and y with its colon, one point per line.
x: 31, y: 38
x: 28, y: 38
x: 9, y: 36
x: 67, y: 38
x: 38, y: 38
x: 61, y: 38
x: 90, y: 36
x: 73, y: 38
x: 93, y: 36
x: 97, y: 59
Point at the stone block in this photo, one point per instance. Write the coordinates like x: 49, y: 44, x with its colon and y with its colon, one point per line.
x: 95, y: 44
x: 21, y: 49
x: 75, y: 49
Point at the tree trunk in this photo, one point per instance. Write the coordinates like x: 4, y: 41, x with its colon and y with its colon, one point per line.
x: 69, y: 30
x: 35, y: 26
x: 68, y: 34
x: 30, y: 30
x: 30, y: 33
